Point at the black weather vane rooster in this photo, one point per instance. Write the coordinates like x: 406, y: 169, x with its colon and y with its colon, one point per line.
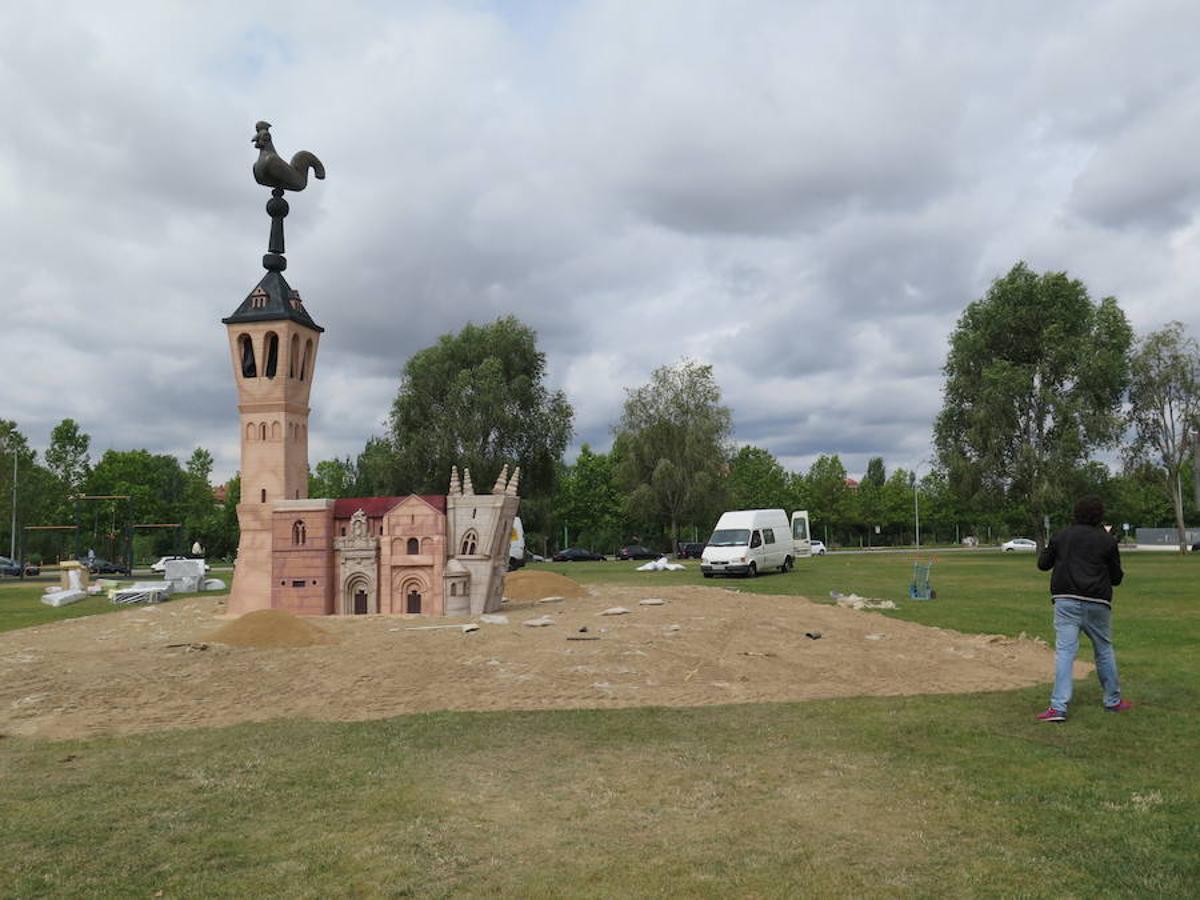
x: 273, y: 171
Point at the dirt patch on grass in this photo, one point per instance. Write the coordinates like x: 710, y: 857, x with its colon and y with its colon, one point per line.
x: 155, y: 668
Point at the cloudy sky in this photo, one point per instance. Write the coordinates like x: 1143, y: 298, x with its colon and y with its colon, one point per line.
x: 805, y: 195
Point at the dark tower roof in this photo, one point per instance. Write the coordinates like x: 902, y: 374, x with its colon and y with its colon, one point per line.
x: 273, y: 299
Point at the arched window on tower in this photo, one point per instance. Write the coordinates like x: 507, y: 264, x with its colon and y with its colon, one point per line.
x: 246, y: 351
x: 262, y: 431
x: 251, y: 431
x: 414, y: 547
x: 294, y: 356
x: 272, y: 354
x: 298, y: 532
x: 470, y: 542
x: 304, y: 369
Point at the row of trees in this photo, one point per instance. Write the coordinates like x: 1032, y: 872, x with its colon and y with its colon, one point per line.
x: 1039, y: 380
x: 96, y: 507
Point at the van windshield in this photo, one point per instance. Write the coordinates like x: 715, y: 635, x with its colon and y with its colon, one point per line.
x: 730, y: 537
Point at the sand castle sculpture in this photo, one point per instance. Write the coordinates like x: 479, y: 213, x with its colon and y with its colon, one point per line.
x: 433, y: 555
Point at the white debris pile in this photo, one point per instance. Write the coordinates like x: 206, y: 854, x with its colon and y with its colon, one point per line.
x: 661, y: 565
x: 853, y: 601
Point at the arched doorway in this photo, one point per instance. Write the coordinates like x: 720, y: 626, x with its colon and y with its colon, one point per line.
x: 412, y: 600
x: 358, y: 596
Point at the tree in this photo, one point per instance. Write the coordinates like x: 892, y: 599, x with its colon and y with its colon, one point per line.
x: 828, y: 493
x: 756, y: 480
x: 478, y: 399
x: 333, y: 479
x: 1034, y: 380
x: 157, y: 487
x: 14, y: 448
x: 673, y: 444
x: 1164, y: 400
x: 876, y: 472
x: 587, y: 502
x: 67, y: 455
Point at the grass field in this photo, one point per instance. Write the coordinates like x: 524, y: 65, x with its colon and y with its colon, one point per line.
x: 960, y: 795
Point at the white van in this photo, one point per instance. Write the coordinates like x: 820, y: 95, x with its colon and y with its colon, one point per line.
x: 801, y: 536
x: 516, y: 545
x: 748, y: 541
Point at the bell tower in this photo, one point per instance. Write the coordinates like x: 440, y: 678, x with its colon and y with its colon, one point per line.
x: 273, y: 347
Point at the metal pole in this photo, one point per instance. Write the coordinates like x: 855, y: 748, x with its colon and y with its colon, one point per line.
x: 917, y: 512
x: 12, y: 541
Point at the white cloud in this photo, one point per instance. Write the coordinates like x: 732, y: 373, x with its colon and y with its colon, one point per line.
x: 804, y: 195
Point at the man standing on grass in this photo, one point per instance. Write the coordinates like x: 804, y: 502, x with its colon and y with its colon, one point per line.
x: 1086, y: 566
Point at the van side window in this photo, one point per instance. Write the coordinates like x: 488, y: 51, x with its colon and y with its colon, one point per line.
x: 756, y: 540
x: 769, y: 535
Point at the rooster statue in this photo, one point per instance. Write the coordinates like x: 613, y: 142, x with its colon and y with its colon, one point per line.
x: 273, y: 171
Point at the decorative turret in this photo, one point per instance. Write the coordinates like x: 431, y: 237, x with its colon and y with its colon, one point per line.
x: 511, y: 488
x: 468, y: 488
x: 455, y: 484
x: 501, y: 481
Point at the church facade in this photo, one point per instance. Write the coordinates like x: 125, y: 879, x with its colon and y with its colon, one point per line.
x: 430, y: 555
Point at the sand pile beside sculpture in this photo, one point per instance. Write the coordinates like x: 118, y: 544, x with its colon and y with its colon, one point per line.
x: 270, y: 628
x: 524, y: 586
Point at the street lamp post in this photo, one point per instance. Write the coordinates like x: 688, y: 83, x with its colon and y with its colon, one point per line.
x: 917, y: 510
x: 12, y: 538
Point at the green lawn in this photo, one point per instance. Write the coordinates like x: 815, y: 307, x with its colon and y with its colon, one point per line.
x: 960, y: 795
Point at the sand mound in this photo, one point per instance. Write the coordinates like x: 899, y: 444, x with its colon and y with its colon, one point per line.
x: 270, y: 628
x: 536, y: 585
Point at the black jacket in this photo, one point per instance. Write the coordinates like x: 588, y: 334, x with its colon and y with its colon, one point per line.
x: 1086, y: 563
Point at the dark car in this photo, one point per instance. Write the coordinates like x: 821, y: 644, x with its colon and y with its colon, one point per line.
x: 577, y: 554
x: 637, y: 551
x: 10, y: 567
x: 689, y: 550
x: 98, y: 566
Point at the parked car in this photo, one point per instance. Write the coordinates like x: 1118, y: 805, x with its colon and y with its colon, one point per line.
x: 13, y: 568
x: 577, y: 554
x: 98, y: 566
x: 689, y: 549
x: 1018, y: 544
x: 818, y: 548
x: 637, y: 551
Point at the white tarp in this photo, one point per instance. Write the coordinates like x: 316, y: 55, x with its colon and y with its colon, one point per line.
x: 661, y: 565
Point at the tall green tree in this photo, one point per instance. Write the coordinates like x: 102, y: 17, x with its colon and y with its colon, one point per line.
x: 1035, y: 376
x: 18, y: 460
x: 1164, y: 401
x: 757, y: 481
x: 587, y: 502
x: 828, y: 494
x: 673, y: 442
x: 67, y: 455
x: 157, y: 487
x: 478, y: 399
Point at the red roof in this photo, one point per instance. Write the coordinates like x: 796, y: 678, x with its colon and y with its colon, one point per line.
x: 376, y: 507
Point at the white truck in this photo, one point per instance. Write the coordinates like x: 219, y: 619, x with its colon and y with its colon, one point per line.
x: 749, y: 541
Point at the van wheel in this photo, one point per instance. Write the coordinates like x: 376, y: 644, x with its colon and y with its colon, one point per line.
x: 752, y: 572
x: 787, y: 566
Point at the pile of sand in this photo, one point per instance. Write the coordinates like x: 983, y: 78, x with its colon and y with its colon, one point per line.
x: 270, y: 628
x: 522, y: 586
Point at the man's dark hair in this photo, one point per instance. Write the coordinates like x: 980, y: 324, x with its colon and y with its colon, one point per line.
x: 1089, y: 510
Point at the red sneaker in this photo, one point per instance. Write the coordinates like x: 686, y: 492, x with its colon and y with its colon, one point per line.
x: 1120, y: 707
x: 1052, y: 715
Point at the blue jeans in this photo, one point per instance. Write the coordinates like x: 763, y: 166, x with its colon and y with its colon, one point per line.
x: 1094, y: 620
